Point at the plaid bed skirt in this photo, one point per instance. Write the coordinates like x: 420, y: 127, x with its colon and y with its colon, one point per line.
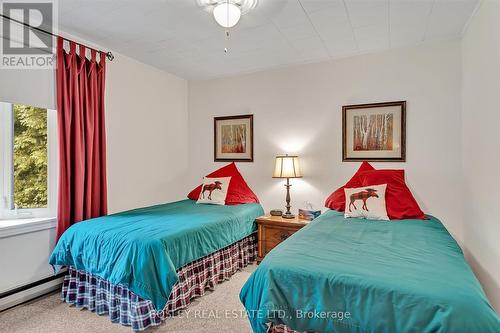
x: 98, y: 295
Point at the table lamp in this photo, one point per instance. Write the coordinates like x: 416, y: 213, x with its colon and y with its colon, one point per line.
x: 287, y: 167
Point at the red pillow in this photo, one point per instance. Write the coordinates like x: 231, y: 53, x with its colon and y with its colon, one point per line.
x: 336, y: 200
x: 398, y: 198
x: 238, y: 191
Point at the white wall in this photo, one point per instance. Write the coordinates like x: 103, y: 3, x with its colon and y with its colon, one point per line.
x: 298, y: 110
x: 146, y: 111
x: 481, y: 146
x: 147, y: 134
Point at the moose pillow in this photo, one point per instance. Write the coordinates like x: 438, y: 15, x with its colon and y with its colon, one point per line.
x: 214, y: 191
x: 366, y: 202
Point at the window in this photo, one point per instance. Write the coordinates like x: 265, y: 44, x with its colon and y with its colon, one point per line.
x: 27, y: 154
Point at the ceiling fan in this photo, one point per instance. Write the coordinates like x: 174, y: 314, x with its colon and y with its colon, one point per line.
x: 227, y: 13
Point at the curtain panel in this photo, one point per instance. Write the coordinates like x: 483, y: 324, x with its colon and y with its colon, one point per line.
x: 81, y: 135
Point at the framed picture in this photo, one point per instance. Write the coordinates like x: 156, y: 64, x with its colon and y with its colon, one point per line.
x: 374, y: 132
x: 233, y: 138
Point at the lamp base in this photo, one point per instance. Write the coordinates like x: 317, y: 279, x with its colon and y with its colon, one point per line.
x: 288, y: 215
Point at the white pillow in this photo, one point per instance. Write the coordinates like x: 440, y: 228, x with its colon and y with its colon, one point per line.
x: 214, y: 191
x: 366, y: 202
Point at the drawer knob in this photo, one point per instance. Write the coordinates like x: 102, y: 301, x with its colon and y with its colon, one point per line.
x: 284, y: 236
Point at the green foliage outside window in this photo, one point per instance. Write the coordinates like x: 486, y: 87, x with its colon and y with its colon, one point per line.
x: 30, y: 157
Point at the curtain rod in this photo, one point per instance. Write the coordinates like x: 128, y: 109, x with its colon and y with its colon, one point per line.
x: 109, y: 55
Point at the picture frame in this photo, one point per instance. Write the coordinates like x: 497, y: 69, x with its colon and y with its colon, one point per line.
x: 374, y: 132
x: 233, y: 138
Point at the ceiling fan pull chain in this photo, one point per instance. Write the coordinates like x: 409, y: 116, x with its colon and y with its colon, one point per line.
x: 227, y: 31
x: 227, y: 40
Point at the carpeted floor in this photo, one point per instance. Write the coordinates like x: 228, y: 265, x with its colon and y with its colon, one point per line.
x: 218, y: 311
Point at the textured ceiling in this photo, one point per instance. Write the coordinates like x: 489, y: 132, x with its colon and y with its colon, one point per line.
x: 181, y: 38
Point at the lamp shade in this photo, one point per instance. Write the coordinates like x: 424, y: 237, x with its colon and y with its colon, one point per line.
x: 287, y: 167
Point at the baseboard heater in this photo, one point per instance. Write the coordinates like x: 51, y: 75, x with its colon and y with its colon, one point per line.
x: 23, y: 294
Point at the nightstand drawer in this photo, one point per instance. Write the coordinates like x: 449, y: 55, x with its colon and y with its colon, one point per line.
x: 267, y: 247
x: 273, y: 235
x: 274, y: 230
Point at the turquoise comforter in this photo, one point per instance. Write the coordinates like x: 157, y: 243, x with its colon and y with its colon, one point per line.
x: 142, y: 248
x: 352, y: 275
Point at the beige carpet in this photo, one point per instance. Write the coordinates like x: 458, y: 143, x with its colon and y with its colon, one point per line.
x: 218, y: 311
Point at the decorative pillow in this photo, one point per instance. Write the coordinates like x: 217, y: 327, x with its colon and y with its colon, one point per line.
x: 400, y: 202
x: 238, y: 191
x: 214, y: 191
x: 336, y: 200
x: 366, y: 202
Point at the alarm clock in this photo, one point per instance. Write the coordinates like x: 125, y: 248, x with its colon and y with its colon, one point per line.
x: 276, y: 212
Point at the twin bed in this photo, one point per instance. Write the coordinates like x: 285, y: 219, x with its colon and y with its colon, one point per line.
x: 143, y: 265
x: 335, y: 275
x: 353, y: 275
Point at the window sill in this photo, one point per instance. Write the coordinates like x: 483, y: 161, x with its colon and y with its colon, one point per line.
x: 9, y: 228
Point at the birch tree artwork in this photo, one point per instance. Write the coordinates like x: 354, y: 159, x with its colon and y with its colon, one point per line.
x: 233, y: 138
x: 373, y: 132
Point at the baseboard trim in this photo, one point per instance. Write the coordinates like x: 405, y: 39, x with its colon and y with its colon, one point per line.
x: 25, y: 293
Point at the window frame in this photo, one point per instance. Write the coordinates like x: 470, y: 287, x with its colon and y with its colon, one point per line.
x: 7, y: 209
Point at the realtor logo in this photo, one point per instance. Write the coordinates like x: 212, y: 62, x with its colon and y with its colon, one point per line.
x: 27, y: 28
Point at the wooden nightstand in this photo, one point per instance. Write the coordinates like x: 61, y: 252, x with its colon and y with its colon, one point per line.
x: 275, y: 229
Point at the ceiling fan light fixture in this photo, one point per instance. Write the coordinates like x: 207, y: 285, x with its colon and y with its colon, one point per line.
x: 227, y: 14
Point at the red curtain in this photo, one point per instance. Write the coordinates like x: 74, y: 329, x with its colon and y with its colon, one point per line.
x: 81, y: 135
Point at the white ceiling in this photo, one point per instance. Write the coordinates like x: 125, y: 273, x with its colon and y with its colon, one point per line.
x: 181, y: 38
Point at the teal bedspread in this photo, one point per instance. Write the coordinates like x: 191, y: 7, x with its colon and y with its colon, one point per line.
x: 352, y: 275
x: 142, y: 248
